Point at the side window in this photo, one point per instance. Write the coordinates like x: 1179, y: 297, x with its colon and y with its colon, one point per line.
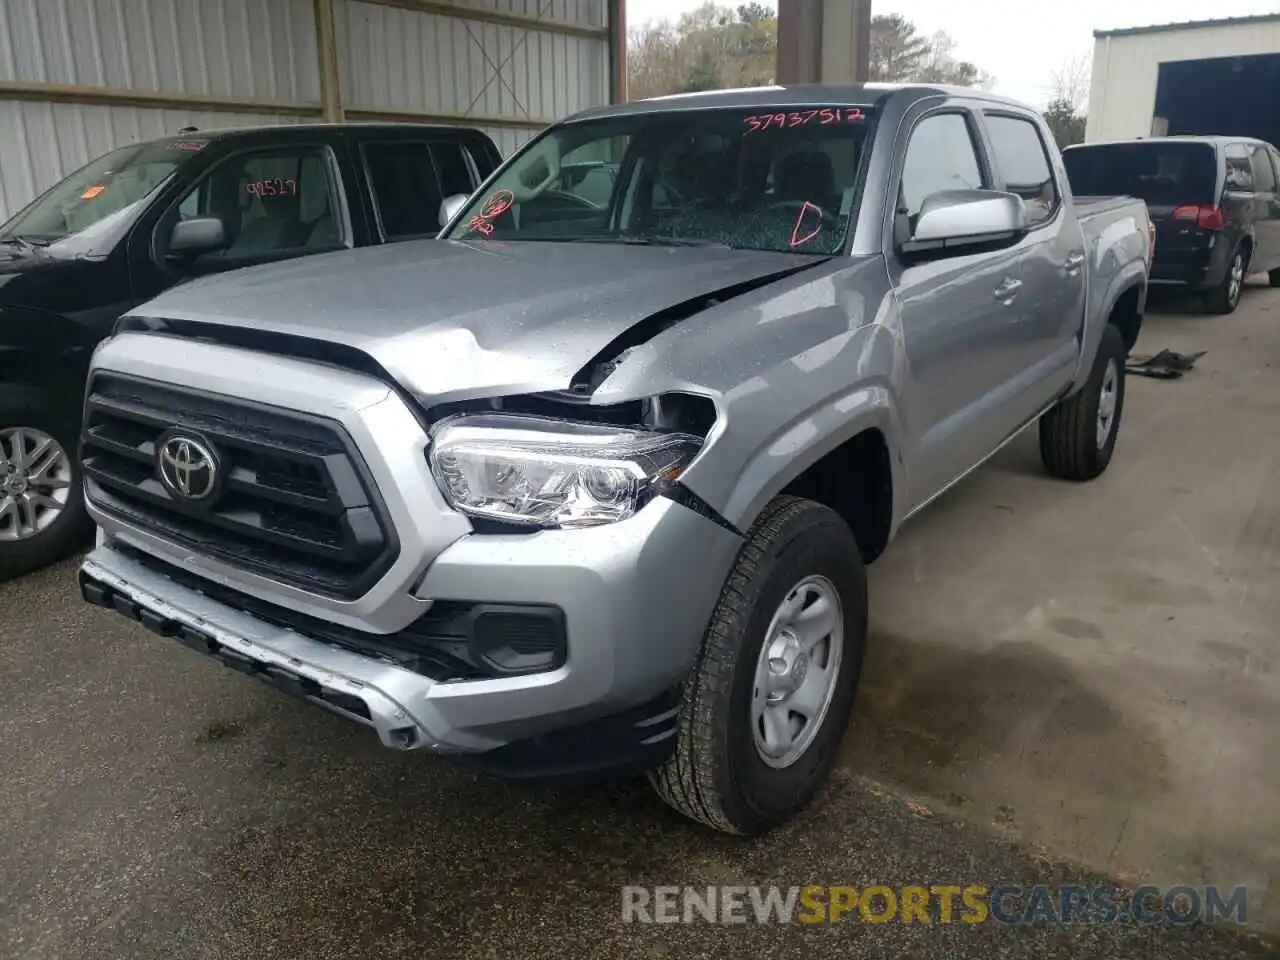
x: 940, y: 156
x: 1239, y: 170
x: 1020, y: 157
x: 406, y: 190
x: 269, y: 201
x: 451, y: 164
x: 1264, y: 177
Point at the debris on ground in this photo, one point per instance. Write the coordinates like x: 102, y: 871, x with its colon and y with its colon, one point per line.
x: 1165, y: 365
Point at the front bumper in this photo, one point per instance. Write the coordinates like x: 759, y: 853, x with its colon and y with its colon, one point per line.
x: 636, y: 601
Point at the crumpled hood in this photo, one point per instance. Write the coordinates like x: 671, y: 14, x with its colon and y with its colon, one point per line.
x: 452, y: 320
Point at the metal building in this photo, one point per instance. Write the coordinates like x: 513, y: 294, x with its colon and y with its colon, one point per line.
x: 1206, y: 77
x: 80, y: 77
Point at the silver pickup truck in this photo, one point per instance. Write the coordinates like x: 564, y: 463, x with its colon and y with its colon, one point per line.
x: 589, y: 485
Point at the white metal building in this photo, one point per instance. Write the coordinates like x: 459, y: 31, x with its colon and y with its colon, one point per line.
x: 80, y: 77
x: 1213, y: 76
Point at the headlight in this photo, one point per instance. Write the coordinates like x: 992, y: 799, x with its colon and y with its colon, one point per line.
x: 548, y: 473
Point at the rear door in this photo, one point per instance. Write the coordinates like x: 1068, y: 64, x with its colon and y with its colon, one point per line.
x: 1053, y: 260
x: 409, y: 178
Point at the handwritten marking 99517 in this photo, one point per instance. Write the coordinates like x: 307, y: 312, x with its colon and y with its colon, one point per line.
x: 822, y: 116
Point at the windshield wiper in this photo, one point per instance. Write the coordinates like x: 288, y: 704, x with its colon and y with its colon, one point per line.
x: 650, y: 241
x: 26, y: 243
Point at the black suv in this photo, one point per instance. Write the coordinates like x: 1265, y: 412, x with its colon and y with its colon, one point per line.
x: 1213, y: 200
x: 150, y: 215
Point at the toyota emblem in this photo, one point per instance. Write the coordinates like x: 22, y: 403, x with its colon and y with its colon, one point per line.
x: 188, y: 468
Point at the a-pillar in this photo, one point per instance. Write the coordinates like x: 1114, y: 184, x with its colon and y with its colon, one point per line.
x: 824, y: 41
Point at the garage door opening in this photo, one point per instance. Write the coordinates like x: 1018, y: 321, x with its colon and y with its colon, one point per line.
x: 1233, y: 96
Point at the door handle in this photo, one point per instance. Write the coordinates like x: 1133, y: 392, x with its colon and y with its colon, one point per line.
x: 1008, y: 290
x: 1073, y: 263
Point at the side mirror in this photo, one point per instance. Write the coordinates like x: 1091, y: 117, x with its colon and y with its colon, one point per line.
x: 956, y: 220
x: 197, y: 235
x: 450, y: 206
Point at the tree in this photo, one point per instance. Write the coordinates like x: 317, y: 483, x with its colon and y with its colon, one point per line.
x: 717, y: 45
x: 1070, y: 82
x: 1069, y: 96
x: 900, y: 53
x: 1067, y: 126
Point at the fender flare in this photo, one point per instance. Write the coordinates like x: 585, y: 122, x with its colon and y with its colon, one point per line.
x: 789, y: 452
x: 1134, y: 275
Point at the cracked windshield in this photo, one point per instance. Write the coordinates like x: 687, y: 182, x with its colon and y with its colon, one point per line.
x: 778, y: 178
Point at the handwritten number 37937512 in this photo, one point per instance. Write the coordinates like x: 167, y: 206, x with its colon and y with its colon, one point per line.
x: 819, y: 116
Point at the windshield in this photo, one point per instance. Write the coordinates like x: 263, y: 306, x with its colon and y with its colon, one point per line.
x: 783, y: 180
x: 98, y: 195
x: 1162, y: 174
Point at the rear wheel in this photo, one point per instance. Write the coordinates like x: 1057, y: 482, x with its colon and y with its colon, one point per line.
x: 766, y: 706
x: 1225, y: 297
x: 1078, y: 436
x: 1273, y: 277
x: 42, y: 513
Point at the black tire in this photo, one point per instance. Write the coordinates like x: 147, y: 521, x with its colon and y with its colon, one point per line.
x: 716, y: 775
x: 72, y: 529
x: 1273, y: 277
x: 1225, y: 297
x: 1069, y: 443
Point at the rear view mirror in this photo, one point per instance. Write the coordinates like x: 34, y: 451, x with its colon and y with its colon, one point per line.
x: 450, y: 205
x: 197, y: 235
x: 953, y: 220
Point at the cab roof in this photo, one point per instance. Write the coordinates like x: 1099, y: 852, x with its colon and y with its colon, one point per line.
x: 800, y: 94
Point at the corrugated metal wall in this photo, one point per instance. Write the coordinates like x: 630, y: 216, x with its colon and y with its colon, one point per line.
x: 400, y: 60
x: 79, y: 77
x: 1126, y: 69
x: 239, y: 49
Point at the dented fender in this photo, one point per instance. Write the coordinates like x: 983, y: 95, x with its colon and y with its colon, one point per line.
x: 793, y: 374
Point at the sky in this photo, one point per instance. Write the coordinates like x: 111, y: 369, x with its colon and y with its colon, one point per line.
x: 1020, y: 43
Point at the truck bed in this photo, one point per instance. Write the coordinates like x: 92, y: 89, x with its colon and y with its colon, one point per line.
x: 1088, y: 206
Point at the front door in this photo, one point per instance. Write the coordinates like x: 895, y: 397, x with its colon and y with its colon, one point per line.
x: 960, y: 317
x: 275, y: 203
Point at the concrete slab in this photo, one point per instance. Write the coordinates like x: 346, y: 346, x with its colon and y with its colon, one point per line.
x: 1093, y: 668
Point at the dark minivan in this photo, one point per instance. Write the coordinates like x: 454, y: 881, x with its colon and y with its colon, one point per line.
x: 150, y: 215
x: 1213, y: 201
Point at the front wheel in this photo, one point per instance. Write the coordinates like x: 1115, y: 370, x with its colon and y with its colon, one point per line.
x: 766, y: 705
x: 1078, y: 436
x: 42, y: 513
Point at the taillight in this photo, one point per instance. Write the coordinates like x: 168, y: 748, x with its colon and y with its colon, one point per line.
x: 1206, y: 217
x: 1151, y: 241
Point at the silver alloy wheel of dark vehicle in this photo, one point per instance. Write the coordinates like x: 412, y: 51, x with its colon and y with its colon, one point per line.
x: 1235, y: 279
x: 1225, y: 297
x: 35, y: 482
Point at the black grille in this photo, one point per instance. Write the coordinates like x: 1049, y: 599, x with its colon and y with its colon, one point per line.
x: 295, y: 502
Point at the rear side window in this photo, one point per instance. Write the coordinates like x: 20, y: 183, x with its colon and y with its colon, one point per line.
x: 410, y: 179
x: 1023, y: 164
x: 1264, y: 176
x: 1239, y: 170
x: 1163, y: 173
